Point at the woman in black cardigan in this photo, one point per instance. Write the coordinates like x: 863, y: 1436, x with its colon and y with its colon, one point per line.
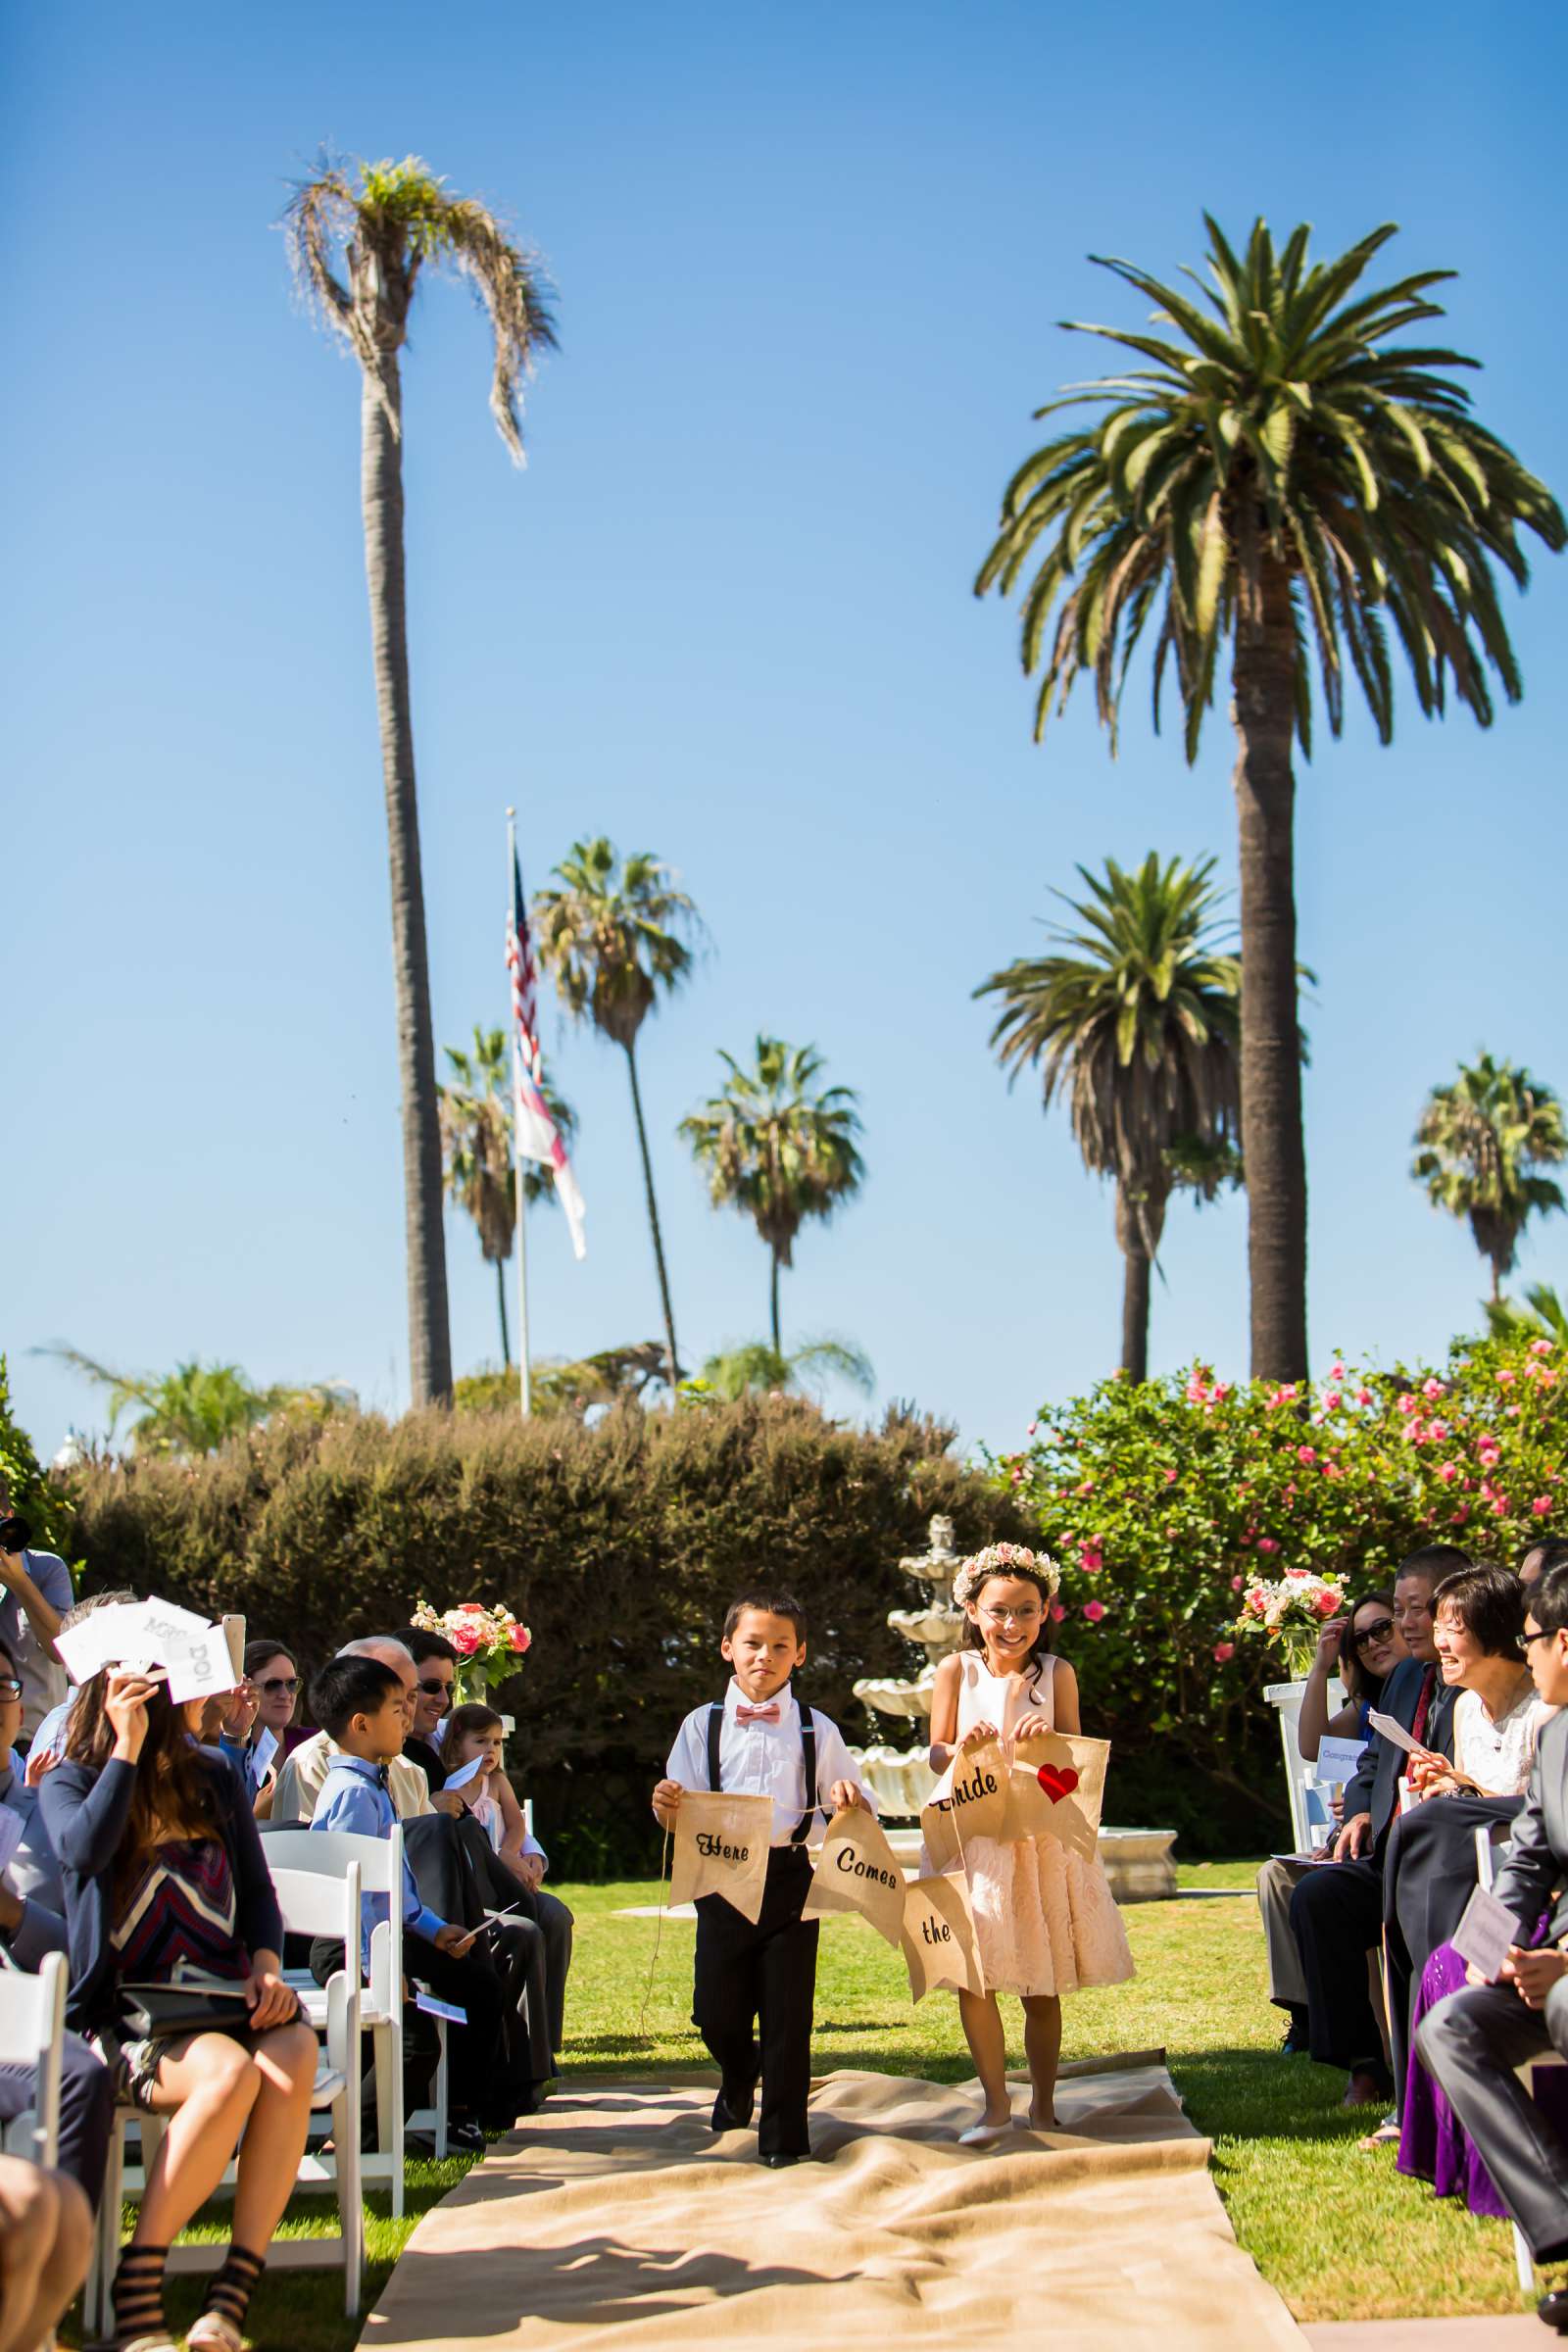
x: 165, y: 1880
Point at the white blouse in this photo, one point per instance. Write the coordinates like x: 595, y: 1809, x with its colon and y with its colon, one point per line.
x: 1497, y: 1757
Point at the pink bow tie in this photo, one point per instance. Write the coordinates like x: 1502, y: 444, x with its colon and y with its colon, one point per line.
x: 763, y: 1714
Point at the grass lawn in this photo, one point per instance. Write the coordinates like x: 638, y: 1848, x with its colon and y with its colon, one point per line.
x: 1341, y: 2235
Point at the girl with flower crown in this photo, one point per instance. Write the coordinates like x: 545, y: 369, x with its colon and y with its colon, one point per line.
x: 1046, y: 1922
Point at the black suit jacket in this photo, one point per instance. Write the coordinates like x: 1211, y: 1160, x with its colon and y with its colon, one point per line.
x: 1375, y: 1789
x: 1537, y: 1858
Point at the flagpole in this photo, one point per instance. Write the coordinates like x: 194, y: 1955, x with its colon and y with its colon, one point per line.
x: 524, y: 1383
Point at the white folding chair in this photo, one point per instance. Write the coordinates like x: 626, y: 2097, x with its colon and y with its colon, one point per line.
x: 33, y: 2032
x: 337, y: 2092
x: 328, y: 1853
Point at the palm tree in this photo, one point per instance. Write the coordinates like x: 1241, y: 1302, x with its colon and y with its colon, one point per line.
x: 1283, y: 479
x: 778, y: 1148
x: 379, y: 231
x: 759, y: 1369
x: 1543, y: 1317
x: 1141, y: 1028
x: 197, y: 1408
x: 1483, y: 1140
x: 478, y: 1155
x: 611, y: 935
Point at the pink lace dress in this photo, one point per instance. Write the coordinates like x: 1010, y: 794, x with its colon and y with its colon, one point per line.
x: 1046, y: 1921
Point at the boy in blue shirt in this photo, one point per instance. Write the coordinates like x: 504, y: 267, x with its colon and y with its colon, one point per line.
x: 358, y: 1702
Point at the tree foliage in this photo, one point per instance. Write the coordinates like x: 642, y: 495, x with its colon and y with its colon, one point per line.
x: 197, y: 1408
x: 1484, y: 1140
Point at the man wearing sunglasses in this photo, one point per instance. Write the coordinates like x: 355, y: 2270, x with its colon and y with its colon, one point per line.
x: 1472, y: 2042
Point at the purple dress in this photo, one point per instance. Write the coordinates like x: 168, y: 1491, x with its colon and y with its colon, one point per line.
x: 1433, y: 2144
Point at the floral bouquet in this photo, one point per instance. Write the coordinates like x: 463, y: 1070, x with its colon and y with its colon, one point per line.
x: 489, y: 1642
x: 1291, y: 1611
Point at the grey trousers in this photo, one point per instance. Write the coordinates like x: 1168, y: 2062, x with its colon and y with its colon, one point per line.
x: 1470, y: 2044
x: 1277, y: 1882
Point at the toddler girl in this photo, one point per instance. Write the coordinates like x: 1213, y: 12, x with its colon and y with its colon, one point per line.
x: 474, y: 1732
x: 1046, y: 1922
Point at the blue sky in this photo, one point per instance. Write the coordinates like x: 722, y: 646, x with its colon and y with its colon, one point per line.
x: 808, y: 263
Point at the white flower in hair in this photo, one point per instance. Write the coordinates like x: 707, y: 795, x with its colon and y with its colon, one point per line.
x: 1004, y: 1559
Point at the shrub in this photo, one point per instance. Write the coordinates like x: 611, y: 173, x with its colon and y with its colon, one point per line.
x: 618, y: 1545
x: 39, y: 1500
x: 1160, y: 1500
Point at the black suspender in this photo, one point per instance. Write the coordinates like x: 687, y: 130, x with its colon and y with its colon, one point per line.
x: 716, y: 1725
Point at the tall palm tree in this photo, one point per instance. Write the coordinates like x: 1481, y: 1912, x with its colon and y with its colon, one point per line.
x: 377, y: 231
x: 1543, y: 1317
x: 197, y: 1408
x: 1484, y: 1138
x: 611, y: 935
x: 1141, y: 1028
x: 778, y: 1148
x: 479, y: 1157
x: 1283, y: 480
x: 756, y: 1368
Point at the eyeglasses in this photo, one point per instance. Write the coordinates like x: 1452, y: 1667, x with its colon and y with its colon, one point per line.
x: 10, y: 1687
x: 436, y: 1689
x: 283, y: 1681
x: 1544, y: 1635
x: 1378, y: 1631
x: 1023, y: 1616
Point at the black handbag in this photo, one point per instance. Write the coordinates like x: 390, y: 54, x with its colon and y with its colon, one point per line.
x: 156, y: 2012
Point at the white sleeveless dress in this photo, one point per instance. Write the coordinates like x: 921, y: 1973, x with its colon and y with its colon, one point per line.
x: 1046, y: 1919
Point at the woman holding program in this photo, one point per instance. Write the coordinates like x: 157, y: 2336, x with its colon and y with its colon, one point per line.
x: 1045, y: 1919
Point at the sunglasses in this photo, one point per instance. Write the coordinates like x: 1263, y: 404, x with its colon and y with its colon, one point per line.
x: 10, y: 1687
x: 283, y: 1681
x: 1378, y: 1631
x: 436, y: 1689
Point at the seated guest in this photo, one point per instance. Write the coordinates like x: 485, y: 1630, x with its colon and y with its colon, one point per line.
x: 1363, y: 1649
x: 36, y: 1592
x: 258, y: 1723
x: 1545, y: 1553
x: 164, y: 1880
x: 1430, y: 1869
x: 435, y: 1665
x: 304, y: 1771
x: 360, y: 1702
x: 1336, y: 1910
x: 48, y: 1743
x: 46, y: 2233
x: 33, y: 1923
x: 1472, y: 2041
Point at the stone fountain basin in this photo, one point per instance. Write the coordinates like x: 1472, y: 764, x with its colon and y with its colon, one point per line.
x: 936, y: 1628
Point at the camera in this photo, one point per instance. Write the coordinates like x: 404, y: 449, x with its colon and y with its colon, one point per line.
x: 15, y: 1534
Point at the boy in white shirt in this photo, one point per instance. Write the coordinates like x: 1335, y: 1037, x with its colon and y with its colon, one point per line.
x: 759, y: 1979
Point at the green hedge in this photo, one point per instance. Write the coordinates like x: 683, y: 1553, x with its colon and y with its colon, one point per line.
x: 618, y: 1545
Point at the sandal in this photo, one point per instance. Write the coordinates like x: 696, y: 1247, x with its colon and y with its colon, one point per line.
x: 214, y: 2331
x: 1387, y: 2135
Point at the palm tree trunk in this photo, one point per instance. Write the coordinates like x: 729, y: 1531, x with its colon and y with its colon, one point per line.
x: 1273, y: 1146
x: 778, y: 1345
x: 501, y: 1302
x: 652, y: 1221
x: 1135, y: 1314
x: 381, y: 497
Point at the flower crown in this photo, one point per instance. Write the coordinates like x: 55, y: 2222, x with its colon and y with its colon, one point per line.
x: 1005, y: 1559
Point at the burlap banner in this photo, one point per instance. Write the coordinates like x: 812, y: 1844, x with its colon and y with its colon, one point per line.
x: 938, y: 1941
x: 856, y: 1870
x: 720, y: 1847
x: 1056, y: 1788
x: 970, y: 1800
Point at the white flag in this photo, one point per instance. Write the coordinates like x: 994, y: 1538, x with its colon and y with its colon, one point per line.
x: 537, y: 1138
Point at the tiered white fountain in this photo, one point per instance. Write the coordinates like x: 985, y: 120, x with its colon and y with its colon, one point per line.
x: 1137, y: 1862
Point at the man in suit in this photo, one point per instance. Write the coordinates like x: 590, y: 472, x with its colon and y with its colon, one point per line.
x: 1336, y: 1910
x: 1471, y: 2042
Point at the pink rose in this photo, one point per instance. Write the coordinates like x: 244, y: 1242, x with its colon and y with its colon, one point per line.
x: 471, y: 1608
x: 1327, y: 1604
x: 521, y: 1639
x: 1307, y: 1453
x: 1094, y: 1611
x: 1224, y: 1651
x: 1255, y: 1601
x: 1542, y: 1505
x: 466, y: 1641
x: 1267, y: 1543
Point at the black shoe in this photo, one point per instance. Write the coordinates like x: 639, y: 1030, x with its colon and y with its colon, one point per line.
x: 1553, y: 2309
x: 783, y: 2156
x: 732, y: 2109
x: 1298, y: 2040
x: 465, y: 2140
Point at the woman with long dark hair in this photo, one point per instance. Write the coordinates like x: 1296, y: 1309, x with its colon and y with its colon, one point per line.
x: 174, y: 1939
x: 1362, y: 1650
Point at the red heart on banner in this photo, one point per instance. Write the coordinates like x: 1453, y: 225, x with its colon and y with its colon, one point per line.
x: 1057, y: 1782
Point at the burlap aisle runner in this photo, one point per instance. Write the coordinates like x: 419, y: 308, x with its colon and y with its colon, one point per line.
x: 856, y: 1870
x: 1055, y: 1789
x: 719, y: 1846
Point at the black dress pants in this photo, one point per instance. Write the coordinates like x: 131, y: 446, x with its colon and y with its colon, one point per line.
x: 487, y: 2079
x: 1470, y: 2044
x: 1428, y: 1875
x: 759, y: 1983
x: 1337, y: 1916
x: 86, y: 2111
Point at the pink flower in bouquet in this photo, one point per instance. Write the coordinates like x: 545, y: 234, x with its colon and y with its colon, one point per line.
x: 1256, y: 1603
x: 521, y: 1639
x: 1542, y: 1505
x: 1267, y: 1543
x: 471, y: 1608
x: 464, y: 1642
x: 1094, y: 1611
x: 1224, y: 1651
x: 1328, y: 1604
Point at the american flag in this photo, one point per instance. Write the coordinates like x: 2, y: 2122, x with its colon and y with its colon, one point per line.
x: 535, y: 1129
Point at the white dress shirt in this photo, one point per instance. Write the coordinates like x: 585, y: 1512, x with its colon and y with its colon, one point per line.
x: 764, y: 1760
